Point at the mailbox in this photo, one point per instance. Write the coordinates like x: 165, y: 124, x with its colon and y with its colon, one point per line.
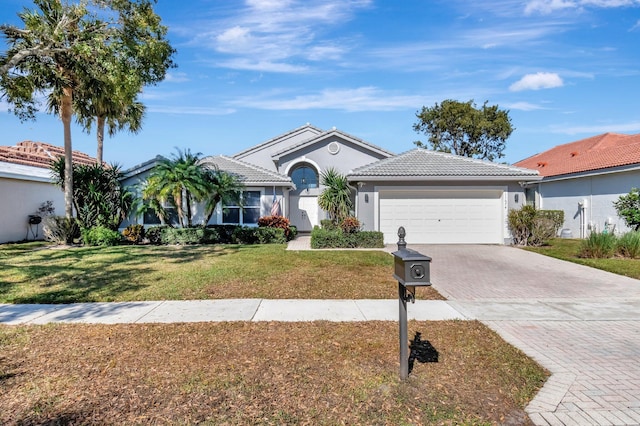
x: 411, y: 268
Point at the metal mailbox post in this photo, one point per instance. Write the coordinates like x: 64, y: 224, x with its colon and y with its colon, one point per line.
x: 411, y: 269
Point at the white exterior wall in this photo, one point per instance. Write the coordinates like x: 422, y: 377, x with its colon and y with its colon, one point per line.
x: 21, y: 197
x: 599, y: 192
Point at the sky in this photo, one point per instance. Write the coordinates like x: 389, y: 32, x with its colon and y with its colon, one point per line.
x: 248, y: 71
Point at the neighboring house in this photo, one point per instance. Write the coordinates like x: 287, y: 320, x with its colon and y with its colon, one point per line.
x: 25, y: 184
x: 437, y: 197
x: 584, y: 178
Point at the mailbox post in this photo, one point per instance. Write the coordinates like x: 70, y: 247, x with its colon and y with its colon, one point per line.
x: 411, y: 269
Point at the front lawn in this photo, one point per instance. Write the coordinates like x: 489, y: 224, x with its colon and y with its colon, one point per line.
x: 39, y: 273
x: 260, y: 373
x: 568, y: 249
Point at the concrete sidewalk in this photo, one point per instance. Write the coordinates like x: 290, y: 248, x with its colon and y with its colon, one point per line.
x: 225, y: 310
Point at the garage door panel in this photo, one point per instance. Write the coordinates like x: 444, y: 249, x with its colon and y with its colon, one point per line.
x: 442, y: 217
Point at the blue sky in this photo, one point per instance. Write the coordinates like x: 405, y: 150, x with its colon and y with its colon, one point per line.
x: 251, y: 70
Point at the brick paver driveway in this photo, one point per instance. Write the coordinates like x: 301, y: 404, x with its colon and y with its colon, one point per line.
x: 582, y: 324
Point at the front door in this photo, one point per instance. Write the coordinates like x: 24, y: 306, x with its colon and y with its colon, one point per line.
x: 304, y: 212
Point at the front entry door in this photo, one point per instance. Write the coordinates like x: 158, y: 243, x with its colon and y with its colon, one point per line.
x: 304, y: 212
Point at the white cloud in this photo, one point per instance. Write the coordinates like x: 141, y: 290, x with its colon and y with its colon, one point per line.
x: 176, y: 77
x: 546, y: 7
x: 537, y: 81
x: 597, y: 129
x: 351, y: 100
x: 524, y: 106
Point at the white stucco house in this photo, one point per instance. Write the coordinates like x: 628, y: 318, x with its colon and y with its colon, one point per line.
x: 25, y: 183
x: 584, y: 178
x: 437, y: 197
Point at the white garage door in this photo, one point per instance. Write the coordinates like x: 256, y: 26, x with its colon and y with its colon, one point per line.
x: 442, y: 216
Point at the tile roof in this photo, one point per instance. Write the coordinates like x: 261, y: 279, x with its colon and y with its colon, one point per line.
x: 39, y: 154
x: 420, y: 163
x: 306, y: 128
x: 590, y: 154
x: 249, y: 174
x: 326, y: 134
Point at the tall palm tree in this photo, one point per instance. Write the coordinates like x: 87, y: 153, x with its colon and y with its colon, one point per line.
x: 224, y: 187
x: 335, y: 199
x: 179, y: 181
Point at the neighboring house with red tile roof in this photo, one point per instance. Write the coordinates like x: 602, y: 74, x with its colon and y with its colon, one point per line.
x: 25, y: 183
x: 584, y: 178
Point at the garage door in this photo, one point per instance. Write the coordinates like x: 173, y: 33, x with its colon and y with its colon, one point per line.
x: 442, y: 216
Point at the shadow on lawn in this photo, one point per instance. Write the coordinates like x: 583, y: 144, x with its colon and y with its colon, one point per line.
x: 87, y: 274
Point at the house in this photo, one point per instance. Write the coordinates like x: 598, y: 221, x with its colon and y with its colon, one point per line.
x: 25, y: 184
x: 584, y: 178
x: 437, y: 197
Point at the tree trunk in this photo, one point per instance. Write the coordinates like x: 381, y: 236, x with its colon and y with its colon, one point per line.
x: 65, y: 115
x: 100, y: 137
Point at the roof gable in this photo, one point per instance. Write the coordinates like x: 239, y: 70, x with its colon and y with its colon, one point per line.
x: 328, y: 135
x: 303, y: 132
x: 39, y: 154
x: 421, y: 164
x: 595, y: 153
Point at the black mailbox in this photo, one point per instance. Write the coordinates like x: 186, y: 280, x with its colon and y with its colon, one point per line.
x: 411, y: 268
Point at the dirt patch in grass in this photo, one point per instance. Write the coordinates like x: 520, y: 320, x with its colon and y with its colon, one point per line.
x: 259, y: 373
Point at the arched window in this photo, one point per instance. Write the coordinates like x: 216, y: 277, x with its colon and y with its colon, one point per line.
x: 304, y: 177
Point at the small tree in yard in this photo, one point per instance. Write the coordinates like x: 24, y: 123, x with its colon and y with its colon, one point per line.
x: 335, y: 199
x: 628, y: 208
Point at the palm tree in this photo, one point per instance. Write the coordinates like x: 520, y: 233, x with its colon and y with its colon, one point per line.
x: 179, y: 181
x: 224, y: 187
x: 335, y: 199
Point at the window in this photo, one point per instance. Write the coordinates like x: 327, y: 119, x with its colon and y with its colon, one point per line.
x: 248, y: 214
x: 304, y: 177
x: 151, y: 218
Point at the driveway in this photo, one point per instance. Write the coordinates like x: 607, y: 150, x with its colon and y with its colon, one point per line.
x: 580, y: 323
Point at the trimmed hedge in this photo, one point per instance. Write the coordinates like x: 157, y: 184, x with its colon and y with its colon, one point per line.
x: 246, y: 235
x: 335, y: 238
x: 101, y: 236
x: 533, y: 227
x: 188, y: 236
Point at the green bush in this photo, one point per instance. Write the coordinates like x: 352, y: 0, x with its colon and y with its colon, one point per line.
x: 134, y: 233
x: 629, y: 245
x: 331, y: 238
x: 60, y: 230
x: 276, y: 222
x: 293, y: 232
x: 369, y: 239
x: 101, y: 236
x: 154, y: 234
x: 189, y: 236
x: 225, y: 233
x: 264, y: 235
x: 628, y: 208
x: 533, y: 227
x: 598, y: 246
x: 328, y: 224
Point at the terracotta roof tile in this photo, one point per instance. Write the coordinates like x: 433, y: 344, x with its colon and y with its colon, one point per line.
x: 594, y: 153
x: 39, y: 154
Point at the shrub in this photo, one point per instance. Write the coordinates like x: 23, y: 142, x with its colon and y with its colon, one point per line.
x: 328, y: 224
x: 533, y: 227
x: 154, y: 234
x: 629, y: 245
x: 225, y: 233
x: 134, y: 233
x: 264, y: 235
x: 369, y: 239
x: 628, y: 208
x: 293, y: 232
x: 350, y: 225
x: 598, y: 245
x: 276, y: 222
x: 60, y: 230
x: 188, y: 236
x: 330, y: 238
x: 101, y: 236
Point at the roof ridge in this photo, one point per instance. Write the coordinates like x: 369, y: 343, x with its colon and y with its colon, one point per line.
x: 325, y: 134
x: 275, y: 138
x: 253, y: 166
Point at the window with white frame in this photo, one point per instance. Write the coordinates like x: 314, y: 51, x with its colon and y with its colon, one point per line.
x: 248, y: 214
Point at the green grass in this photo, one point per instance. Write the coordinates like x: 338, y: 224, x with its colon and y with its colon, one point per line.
x: 31, y: 274
x: 568, y: 249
